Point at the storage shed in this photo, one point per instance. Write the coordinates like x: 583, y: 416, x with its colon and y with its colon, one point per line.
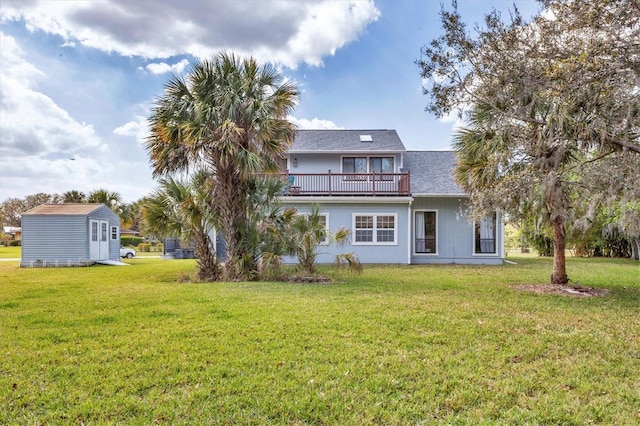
x: 69, y: 235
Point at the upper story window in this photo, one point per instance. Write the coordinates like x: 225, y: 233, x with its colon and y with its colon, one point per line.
x: 354, y: 164
x: 485, y: 235
x: 377, y: 165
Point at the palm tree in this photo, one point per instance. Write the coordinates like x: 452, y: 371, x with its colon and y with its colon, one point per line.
x: 106, y: 197
x: 181, y: 209
x: 74, y: 196
x: 113, y: 200
x: 525, y: 175
x: 228, y: 116
x: 307, y: 233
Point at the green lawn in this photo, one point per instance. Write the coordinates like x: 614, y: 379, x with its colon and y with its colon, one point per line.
x: 395, y: 345
x: 10, y: 252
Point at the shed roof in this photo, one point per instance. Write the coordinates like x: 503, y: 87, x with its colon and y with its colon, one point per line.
x: 432, y: 173
x: 347, y: 141
x: 80, y: 209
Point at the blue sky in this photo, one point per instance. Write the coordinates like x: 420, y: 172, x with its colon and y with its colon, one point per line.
x: 77, y: 78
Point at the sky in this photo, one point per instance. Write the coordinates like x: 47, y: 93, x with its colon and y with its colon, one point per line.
x: 78, y: 78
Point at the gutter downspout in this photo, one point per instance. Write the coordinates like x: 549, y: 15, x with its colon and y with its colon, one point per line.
x: 409, y: 231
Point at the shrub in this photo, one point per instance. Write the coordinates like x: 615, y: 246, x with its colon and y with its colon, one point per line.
x: 144, y: 247
x: 5, y: 240
x: 15, y: 243
x: 130, y: 241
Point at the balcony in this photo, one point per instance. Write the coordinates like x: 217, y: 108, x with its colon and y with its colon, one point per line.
x: 370, y: 184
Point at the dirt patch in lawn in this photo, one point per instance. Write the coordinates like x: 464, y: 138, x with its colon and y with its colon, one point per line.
x: 563, y: 290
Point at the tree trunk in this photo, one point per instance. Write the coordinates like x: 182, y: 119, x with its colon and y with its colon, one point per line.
x: 229, y: 201
x: 559, y: 275
x: 208, y: 266
x: 635, y: 248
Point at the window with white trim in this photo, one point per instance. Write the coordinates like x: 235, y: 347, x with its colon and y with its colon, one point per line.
x: 485, y: 235
x: 375, y: 229
x: 426, y: 228
x: 114, y: 232
x: 363, y: 165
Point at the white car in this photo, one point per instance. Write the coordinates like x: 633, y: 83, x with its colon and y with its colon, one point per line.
x: 127, y: 252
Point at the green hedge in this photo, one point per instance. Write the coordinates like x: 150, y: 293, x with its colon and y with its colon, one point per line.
x: 15, y: 243
x: 130, y: 241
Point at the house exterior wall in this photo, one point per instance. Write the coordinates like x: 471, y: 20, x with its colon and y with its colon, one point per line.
x: 64, y: 238
x: 455, y: 233
x: 341, y: 214
x: 323, y: 162
x: 422, y: 181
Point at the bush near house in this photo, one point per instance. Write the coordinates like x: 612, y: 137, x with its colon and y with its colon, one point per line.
x: 6, y: 239
x: 130, y: 241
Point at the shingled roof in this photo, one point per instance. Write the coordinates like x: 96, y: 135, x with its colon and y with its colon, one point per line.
x: 64, y: 209
x: 347, y: 141
x: 432, y: 173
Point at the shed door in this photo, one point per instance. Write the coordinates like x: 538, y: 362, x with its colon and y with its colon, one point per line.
x: 99, y: 239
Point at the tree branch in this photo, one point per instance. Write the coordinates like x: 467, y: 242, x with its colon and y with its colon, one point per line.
x: 623, y: 144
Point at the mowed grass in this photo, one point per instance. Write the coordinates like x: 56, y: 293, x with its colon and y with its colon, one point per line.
x: 395, y: 345
x: 10, y: 252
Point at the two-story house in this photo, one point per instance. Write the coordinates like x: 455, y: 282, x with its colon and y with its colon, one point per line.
x: 401, y: 206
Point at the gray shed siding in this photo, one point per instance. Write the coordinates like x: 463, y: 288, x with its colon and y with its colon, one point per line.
x: 64, y: 238
x: 54, y: 238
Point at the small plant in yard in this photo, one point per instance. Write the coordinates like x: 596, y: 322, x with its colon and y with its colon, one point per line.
x: 308, y: 234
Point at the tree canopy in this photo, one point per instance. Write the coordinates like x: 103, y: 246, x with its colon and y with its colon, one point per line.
x: 181, y: 209
x: 227, y: 117
x: 552, y: 110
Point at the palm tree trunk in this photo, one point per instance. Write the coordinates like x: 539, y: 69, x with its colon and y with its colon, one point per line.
x: 209, y: 269
x: 230, y: 202
x: 559, y: 275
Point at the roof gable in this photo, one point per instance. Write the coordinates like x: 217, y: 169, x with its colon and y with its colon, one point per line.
x: 69, y: 209
x: 347, y: 141
x: 432, y: 172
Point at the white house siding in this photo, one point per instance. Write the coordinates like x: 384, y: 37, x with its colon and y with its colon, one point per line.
x: 455, y: 233
x: 340, y: 214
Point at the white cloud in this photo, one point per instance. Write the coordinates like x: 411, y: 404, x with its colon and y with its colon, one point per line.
x: 284, y: 32
x: 313, y: 124
x: 163, y: 68
x: 32, y: 123
x: 137, y: 128
x: 38, y: 138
